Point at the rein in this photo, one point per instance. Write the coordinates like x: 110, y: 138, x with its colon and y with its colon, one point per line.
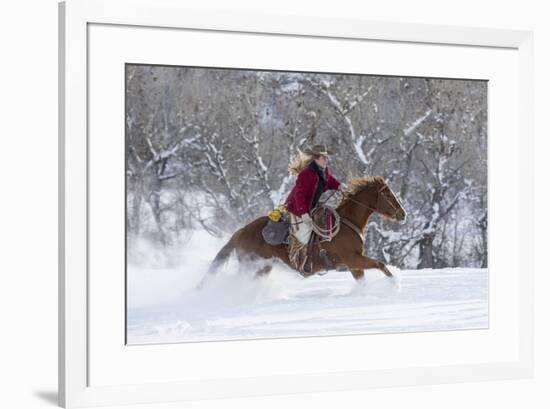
x: 329, y: 233
x: 377, y: 199
x: 350, y: 224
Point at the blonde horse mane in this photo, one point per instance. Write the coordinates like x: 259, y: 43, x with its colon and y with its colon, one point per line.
x: 357, y: 184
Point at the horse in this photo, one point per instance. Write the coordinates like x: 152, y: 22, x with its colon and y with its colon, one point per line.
x: 363, y: 197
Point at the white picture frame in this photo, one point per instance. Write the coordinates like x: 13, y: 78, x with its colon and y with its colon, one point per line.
x: 75, y: 361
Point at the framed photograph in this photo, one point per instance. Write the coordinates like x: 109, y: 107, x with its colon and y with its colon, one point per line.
x: 255, y: 204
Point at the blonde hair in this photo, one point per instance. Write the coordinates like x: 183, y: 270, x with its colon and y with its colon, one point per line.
x: 299, y: 163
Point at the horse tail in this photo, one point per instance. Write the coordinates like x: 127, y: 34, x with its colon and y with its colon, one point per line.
x: 223, y: 255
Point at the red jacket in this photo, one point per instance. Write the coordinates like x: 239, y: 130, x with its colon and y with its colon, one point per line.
x: 301, y: 196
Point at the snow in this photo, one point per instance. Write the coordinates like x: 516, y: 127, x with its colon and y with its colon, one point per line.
x: 409, y: 130
x: 292, y: 87
x: 279, y: 195
x: 164, y: 305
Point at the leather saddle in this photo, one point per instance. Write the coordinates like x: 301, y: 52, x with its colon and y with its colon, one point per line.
x: 276, y: 233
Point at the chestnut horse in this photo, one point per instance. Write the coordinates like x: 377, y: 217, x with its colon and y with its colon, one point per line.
x: 363, y: 197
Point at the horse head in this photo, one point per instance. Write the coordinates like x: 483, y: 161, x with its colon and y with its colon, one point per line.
x: 373, y: 193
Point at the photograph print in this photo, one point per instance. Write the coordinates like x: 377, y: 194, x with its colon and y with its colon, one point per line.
x: 268, y: 204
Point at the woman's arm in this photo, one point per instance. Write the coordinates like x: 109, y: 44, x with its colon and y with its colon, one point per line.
x: 332, y: 183
x: 300, y: 193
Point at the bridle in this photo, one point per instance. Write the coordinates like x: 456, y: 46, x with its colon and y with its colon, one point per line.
x: 378, y: 195
x: 338, y: 218
x: 352, y: 226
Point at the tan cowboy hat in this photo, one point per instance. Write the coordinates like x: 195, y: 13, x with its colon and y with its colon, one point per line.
x: 318, y: 150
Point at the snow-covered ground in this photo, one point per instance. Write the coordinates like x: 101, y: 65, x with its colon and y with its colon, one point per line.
x: 164, y: 306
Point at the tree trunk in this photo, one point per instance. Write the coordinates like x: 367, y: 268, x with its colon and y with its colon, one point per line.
x: 154, y: 201
x: 426, y: 255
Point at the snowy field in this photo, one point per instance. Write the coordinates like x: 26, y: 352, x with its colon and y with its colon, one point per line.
x: 164, y: 306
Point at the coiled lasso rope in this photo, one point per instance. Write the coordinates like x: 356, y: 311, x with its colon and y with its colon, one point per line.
x: 326, y: 234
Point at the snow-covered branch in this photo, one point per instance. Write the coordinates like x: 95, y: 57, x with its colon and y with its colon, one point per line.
x: 410, y: 129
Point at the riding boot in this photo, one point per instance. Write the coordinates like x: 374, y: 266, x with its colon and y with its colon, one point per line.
x: 308, y: 265
x: 327, y: 262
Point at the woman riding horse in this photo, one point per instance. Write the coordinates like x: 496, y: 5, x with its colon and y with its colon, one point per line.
x: 363, y: 197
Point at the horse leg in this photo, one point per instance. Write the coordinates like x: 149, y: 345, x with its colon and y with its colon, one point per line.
x: 362, y: 262
x: 265, y: 270
x: 357, y: 273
